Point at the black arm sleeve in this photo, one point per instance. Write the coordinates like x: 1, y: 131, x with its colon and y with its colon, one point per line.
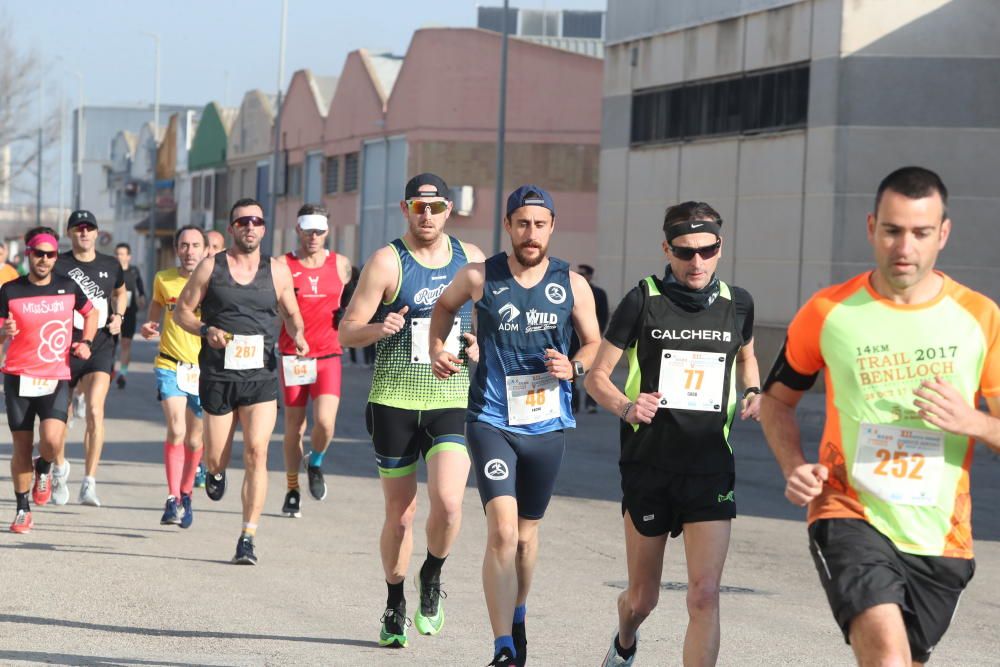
x: 783, y: 372
x: 4, y: 303
x: 623, y: 330
x: 743, y: 303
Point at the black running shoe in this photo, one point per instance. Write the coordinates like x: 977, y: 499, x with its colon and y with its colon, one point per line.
x: 292, y: 504
x: 505, y: 658
x: 393, y: 631
x: 520, y: 643
x: 215, y: 485
x: 317, y: 485
x: 244, y: 551
x: 121, y: 381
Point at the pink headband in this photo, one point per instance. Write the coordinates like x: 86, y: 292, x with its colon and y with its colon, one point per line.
x: 39, y: 239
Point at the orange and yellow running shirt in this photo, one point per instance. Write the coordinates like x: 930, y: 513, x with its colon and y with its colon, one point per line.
x: 174, y: 341
x: 907, y: 478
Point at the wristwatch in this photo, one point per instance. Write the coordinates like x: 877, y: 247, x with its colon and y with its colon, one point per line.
x: 578, y: 370
x: 750, y: 390
x: 86, y: 341
x: 204, y: 330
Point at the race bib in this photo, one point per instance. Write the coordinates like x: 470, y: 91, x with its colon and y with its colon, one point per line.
x: 692, y: 380
x: 298, y: 370
x: 420, y: 342
x: 31, y: 387
x: 101, y: 305
x: 532, y: 398
x: 245, y: 353
x: 187, y: 377
x: 899, y: 465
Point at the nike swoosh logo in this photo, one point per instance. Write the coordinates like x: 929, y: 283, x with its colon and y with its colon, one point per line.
x: 697, y: 226
x: 500, y: 291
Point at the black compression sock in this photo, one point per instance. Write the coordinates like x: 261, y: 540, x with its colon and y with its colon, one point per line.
x: 22, y: 501
x: 431, y: 569
x: 396, y: 599
x: 625, y: 653
x: 42, y: 467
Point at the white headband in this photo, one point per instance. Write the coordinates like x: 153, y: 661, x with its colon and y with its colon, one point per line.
x: 313, y: 221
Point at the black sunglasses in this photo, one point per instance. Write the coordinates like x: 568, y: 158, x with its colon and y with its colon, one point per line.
x: 47, y: 254
x: 706, y: 252
x: 248, y: 221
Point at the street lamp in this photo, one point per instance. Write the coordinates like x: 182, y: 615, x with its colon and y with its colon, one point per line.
x: 78, y: 171
x: 151, y: 242
x: 501, y: 130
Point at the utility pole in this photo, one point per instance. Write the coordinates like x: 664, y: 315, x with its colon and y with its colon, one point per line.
x: 41, y: 126
x: 501, y: 132
x: 271, y: 214
x: 151, y: 240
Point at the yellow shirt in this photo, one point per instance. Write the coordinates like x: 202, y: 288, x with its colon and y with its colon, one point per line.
x: 174, y: 341
x: 8, y: 273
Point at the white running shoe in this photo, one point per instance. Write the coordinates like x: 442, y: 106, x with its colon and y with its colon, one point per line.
x: 88, y: 492
x: 60, y: 484
x: 612, y: 659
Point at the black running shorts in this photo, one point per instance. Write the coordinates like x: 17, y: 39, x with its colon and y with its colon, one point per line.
x: 219, y: 397
x: 101, y: 360
x: 129, y: 323
x: 21, y: 411
x: 511, y: 464
x: 861, y: 568
x: 661, y: 502
x: 401, y: 436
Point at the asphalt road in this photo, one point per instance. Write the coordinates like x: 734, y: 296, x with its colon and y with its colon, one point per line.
x: 109, y: 585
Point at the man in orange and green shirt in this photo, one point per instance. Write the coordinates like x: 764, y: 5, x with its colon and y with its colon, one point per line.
x: 907, y: 353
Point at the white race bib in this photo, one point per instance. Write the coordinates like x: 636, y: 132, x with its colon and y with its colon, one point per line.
x: 187, y: 377
x: 532, y: 398
x: 245, y: 353
x: 31, y: 387
x: 899, y: 465
x: 298, y: 370
x: 692, y: 380
x: 420, y: 341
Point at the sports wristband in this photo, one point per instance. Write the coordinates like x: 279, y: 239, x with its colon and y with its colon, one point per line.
x: 624, y: 414
x: 750, y: 390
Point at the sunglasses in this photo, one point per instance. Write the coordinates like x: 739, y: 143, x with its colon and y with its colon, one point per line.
x: 84, y: 228
x: 248, y: 221
x: 47, y: 254
x: 706, y: 252
x: 417, y: 207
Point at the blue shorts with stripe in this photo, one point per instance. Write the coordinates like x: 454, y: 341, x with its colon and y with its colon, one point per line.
x: 401, y: 436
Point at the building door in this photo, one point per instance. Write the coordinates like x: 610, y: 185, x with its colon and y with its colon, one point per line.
x: 383, y: 177
x: 263, y: 188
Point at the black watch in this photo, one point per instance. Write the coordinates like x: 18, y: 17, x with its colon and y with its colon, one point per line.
x: 578, y: 370
x: 204, y: 330
x: 86, y: 341
x: 750, y: 390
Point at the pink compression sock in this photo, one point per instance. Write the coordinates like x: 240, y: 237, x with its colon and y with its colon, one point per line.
x: 192, y: 457
x: 173, y: 457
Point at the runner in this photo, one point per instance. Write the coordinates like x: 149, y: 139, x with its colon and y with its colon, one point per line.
x: 36, y: 315
x: 102, y: 280
x: 240, y: 293
x: 135, y: 298
x: 319, y: 277
x: 907, y: 352
x: 520, y: 400
x: 176, y: 370
x: 409, y: 412
x: 216, y: 243
x: 688, y: 335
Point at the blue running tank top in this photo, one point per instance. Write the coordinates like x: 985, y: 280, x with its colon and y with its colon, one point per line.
x: 511, y: 389
x: 402, y: 376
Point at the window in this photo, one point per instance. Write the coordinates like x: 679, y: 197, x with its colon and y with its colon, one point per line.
x: 757, y: 101
x: 491, y: 18
x: 577, y: 23
x: 206, y: 192
x: 221, y: 211
x: 195, y: 193
x: 294, y: 180
x: 332, y: 174
x: 350, y: 172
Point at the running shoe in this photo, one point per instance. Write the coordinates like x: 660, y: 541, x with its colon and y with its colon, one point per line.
x: 88, y: 493
x: 394, y: 624
x: 199, y: 476
x: 41, y: 490
x: 612, y: 659
x: 244, y: 551
x: 121, y: 381
x: 317, y: 485
x: 171, y: 512
x: 520, y: 642
x: 293, y: 504
x: 22, y: 522
x: 188, y: 517
x: 429, y: 618
x: 215, y: 485
x: 505, y: 658
x: 60, y: 483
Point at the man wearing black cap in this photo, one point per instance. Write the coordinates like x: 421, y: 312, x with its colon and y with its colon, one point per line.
x: 410, y: 413
x: 520, y: 397
x: 101, y: 279
x: 686, y: 335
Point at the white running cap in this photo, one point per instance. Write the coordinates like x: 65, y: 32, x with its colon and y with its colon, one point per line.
x: 313, y: 221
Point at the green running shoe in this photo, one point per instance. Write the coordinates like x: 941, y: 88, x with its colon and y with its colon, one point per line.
x: 393, y: 632
x: 429, y: 618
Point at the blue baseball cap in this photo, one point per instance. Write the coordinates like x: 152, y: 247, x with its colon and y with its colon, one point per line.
x: 529, y: 195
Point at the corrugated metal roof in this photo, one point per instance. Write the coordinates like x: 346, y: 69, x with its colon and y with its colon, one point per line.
x: 385, y: 68
x: 323, y: 89
x: 581, y: 45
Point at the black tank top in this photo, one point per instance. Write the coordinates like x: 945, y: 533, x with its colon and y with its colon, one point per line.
x: 246, y: 310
